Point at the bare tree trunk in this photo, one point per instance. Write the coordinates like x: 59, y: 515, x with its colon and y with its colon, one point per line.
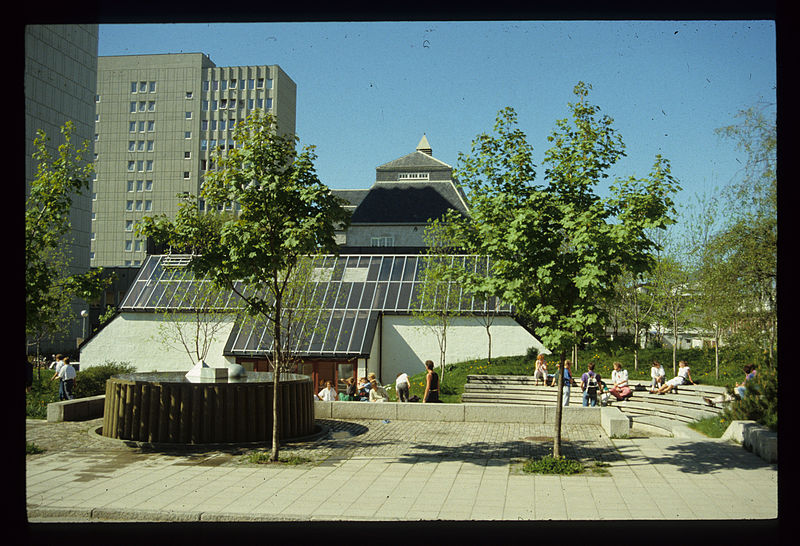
x: 559, y: 402
x: 489, y: 334
x: 277, y: 362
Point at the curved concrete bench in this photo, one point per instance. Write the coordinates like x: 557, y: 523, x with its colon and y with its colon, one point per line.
x: 651, y: 412
x: 77, y: 409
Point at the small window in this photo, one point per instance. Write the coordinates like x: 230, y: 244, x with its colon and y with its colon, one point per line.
x: 152, y: 87
x: 204, y: 106
x: 148, y: 205
x: 188, y: 94
x: 269, y: 103
x: 260, y: 103
x: 133, y: 107
x: 233, y: 84
x: 130, y: 185
x: 142, y: 105
x: 187, y: 155
x: 214, y: 85
x: 223, y: 85
x: 129, y: 205
x: 250, y: 104
x: 148, y: 185
x: 137, y: 245
x: 204, y: 125
x: 139, y: 185
x: 222, y: 125
x: 97, y: 98
x: 223, y: 104
x: 205, y: 86
x: 187, y: 134
x: 132, y: 127
x: 131, y: 165
x: 186, y: 175
x: 131, y: 145
x: 141, y: 127
x: 260, y: 83
x: 150, y: 145
x: 133, y: 87
x: 140, y: 146
x: 151, y: 126
x: 142, y: 87
x: 251, y: 84
x: 138, y: 205
x: 140, y: 165
x: 149, y: 165
x: 128, y: 225
x: 269, y: 83
x: 188, y: 115
x: 213, y: 125
x: 233, y: 104
x: 151, y: 106
x: 128, y: 245
x: 213, y: 106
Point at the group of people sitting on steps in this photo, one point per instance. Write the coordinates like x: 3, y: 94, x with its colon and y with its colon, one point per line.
x: 593, y: 385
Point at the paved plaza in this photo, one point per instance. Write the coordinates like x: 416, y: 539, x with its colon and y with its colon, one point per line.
x: 377, y: 470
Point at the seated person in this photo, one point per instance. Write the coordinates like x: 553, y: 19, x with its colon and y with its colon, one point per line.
x: 363, y: 389
x: 619, y: 377
x: 540, y: 370
x: 684, y: 375
x: 749, y: 373
x: 377, y: 393
x: 328, y: 394
x: 657, y: 375
x: 602, y: 389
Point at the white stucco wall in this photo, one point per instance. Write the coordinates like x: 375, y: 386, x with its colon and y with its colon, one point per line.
x: 135, y: 338
x: 406, y: 345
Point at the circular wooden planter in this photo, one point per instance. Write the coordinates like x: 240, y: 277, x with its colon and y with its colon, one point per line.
x: 167, y: 408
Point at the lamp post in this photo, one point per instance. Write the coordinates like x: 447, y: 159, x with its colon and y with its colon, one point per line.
x: 85, y: 315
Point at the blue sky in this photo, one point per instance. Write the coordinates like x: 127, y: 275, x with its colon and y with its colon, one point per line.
x: 366, y: 92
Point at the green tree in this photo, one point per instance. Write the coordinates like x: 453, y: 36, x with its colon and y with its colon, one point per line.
x: 286, y: 213
x: 749, y: 243
x: 49, y: 288
x: 558, y: 247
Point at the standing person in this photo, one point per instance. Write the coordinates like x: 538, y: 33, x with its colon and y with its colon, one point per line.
x: 619, y: 378
x: 55, y: 363
x: 328, y: 394
x: 684, y: 375
x: 431, y: 384
x: 657, y: 375
x: 401, y: 385
x: 567, y: 382
x: 540, y: 370
x: 589, y: 386
x: 59, y: 363
x: 67, y: 375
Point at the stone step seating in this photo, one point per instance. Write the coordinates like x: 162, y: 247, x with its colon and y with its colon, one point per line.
x: 645, y: 410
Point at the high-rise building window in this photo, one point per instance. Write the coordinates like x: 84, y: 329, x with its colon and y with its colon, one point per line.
x: 204, y: 125
x: 148, y: 185
x: 187, y: 134
x: 233, y: 84
x: 250, y: 104
x: 269, y: 83
x: 133, y: 107
x: 213, y: 105
x: 204, y: 106
x: 188, y: 115
x: 205, y: 86
x: 260, y: 103
x: 142, y: 105
x: 214, y: 85
x: 260, y: 83
x: 251, y: 83
x: 97, y: 98
x: 148, y: 205
x: 151, y: 126
x: 149, y: 165
x: 140, y: 146
x: 128, y: 245
x: 133, y: 87
x: 131, y: 145
x: 139, y: 185
x: 142, y: 87
x: 131, y: 165
x: 222, y: 125
x: 138, y: 205
x: 150, y: 145
x: 152, y: 87
x: 233, y: 104
x: 269, y: 104
x: 129, y: 205
x: 213, y: 124
x: 128, y: 225
x: 223, y: 104
x: 188, y: 94
x: 140, y: 165
x: 141, y: 127
x: 130, y: 185
x: 223, y: 85
x: 151, y: 106
x: 132, y: 126
x: 186, y: 175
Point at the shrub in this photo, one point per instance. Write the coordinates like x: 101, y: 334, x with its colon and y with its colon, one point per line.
x: 760, y: 403
x: 92, y: 381
x: 552, y: 465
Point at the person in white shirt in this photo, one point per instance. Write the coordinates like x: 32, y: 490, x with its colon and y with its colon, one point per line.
x: 327, y: 394
x: 57, y: 365
x: 67, y: 375
x: 377, y: 393
x: 657, y: 375
x: 401, y: 385
x: 619, y: 377
x: 684, y: 375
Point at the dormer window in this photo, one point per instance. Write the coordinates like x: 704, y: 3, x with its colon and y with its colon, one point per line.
x: 413, y: 176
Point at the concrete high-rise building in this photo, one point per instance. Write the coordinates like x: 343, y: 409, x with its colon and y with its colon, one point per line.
x: 158, y: 119
x: 60, y: 84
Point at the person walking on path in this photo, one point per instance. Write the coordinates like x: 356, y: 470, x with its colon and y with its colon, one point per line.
x: 684, y: 375
x: 401, y: 385
x: 67, y: 375
x: 59, y: 363
x: 431, y: 384
x: 589, y: 386
x: 619, y: 377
